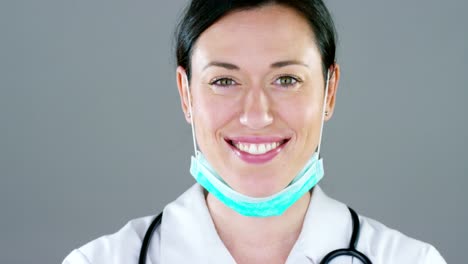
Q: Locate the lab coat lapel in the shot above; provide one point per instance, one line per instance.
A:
(188, 234)
(327, 227)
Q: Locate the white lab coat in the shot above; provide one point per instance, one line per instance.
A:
(187, 235)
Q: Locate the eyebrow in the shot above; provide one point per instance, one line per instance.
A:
(231, 66)
(280, 64)
(226, 65)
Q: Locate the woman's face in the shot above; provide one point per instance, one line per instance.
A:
(257, 92)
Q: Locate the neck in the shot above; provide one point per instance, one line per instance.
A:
(270, 233)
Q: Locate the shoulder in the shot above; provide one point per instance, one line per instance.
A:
(121, 247)
(124, 246)
(329, 219)
(387, 245)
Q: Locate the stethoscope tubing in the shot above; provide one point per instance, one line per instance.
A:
(147, 239)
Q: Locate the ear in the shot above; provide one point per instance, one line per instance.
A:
(182, 86)
(332, 88)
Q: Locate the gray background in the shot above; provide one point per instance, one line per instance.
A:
(92, 134)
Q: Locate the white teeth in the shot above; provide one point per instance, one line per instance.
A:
(257, 149)
(253, 149)
(261, 148)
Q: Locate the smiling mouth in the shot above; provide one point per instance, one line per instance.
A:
(257, 148)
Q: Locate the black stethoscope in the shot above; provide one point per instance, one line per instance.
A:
(350, 251)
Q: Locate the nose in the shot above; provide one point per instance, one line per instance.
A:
(256, 113)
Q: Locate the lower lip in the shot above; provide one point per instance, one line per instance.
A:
(260, 158)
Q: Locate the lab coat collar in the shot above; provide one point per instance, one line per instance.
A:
(188, 233)
(327, 227)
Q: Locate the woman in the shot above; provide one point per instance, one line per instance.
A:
(257, 80)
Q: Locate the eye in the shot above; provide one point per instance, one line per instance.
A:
(223, 82)
(287, 81)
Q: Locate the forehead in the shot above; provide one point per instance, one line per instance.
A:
(258, 37)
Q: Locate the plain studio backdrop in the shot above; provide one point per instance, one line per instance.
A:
(92, 134)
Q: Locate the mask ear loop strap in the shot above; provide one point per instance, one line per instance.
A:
(191, 115)
(323, 113)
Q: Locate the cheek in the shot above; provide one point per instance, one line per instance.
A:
(301, 114)
(212, 113)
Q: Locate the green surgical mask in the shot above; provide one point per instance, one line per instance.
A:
(273, 205)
